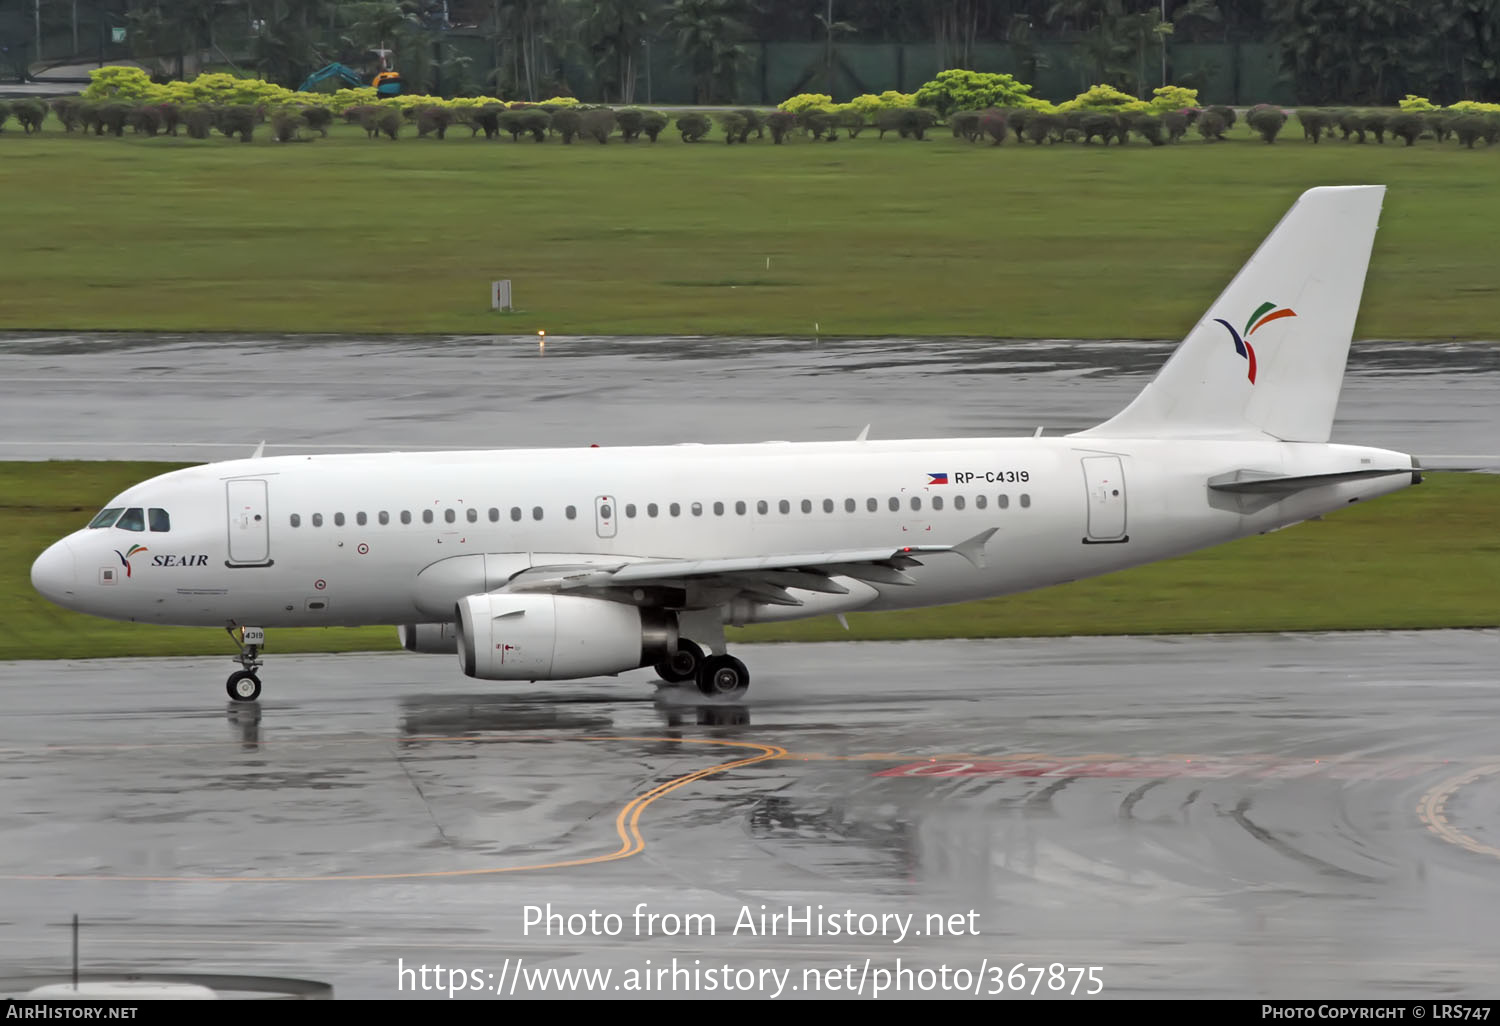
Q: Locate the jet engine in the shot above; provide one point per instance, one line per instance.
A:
(558, 637)
(432, 638)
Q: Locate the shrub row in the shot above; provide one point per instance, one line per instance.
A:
(304, 121)
(218, 89)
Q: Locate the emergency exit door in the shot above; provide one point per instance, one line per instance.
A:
(1104, 478)
(249, 524)
(604, 515)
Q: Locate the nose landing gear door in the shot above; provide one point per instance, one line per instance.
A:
(249, 523)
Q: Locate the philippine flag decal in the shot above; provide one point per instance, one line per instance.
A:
(936, 479)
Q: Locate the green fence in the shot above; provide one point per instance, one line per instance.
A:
(1235, 73)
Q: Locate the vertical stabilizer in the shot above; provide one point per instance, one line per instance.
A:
(1268, 357)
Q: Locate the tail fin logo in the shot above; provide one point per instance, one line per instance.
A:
(1263, 315)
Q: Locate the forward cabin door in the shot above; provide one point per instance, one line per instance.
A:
(1104, 478)
(249, 524)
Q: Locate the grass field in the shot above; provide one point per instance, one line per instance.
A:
(865, 237)
(1425, 557)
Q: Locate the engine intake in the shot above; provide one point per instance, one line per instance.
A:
(558, 637)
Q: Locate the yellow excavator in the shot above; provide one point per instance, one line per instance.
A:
(387, 82)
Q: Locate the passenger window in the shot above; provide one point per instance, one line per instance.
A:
(650, 509)
(849, 506)
(762, 507)
(980, 502)
(133, 520)
(784, 506)
(338, 520)
(296, 520)
(718, 509)
(739, 508)
(697, 509)
(106, 518)
(958, 502)
(536, 512)
(361, 519)
(515, 513)
(427, 516)
(629, 511)
(317, 520)
(937, 502)
(406, 516)
(916, 503)
(606, 512)
(872, 504)
(384, 518)
(1003, 502)
(807, 505)
(675, 510)
(160, 522)
(1025, 501)
(571, 512)
(471, 515)
(895, 504)
(449, 515)
(494, 515)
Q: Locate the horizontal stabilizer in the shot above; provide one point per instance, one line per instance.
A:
(1459, 463)
(1259, 482)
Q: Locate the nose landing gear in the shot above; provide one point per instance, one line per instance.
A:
(243, 685)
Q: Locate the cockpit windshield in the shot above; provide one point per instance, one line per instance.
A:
(133, 519)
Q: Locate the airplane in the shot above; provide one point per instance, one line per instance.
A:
(559, 564)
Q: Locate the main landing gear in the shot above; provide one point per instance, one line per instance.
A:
(244, 685)
(717, 676)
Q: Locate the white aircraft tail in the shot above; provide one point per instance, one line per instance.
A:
(1268, 357)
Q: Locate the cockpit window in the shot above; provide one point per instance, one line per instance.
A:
(134, 519)
(107, 518)
(159, 519)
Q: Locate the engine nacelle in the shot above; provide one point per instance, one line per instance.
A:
(432, 638)
(558, 637)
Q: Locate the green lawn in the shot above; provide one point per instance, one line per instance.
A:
(865, 236)
(1425, 557)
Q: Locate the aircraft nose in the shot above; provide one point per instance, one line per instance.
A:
(55, 573)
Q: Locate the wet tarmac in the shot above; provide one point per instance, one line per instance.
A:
(1291, 815)
(203, 397)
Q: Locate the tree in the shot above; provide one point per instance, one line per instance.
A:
(613, 32)
(1375, 51)
(708, 34)
(289, 39)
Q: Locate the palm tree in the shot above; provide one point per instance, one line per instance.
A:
(708, 44)
(614, 30)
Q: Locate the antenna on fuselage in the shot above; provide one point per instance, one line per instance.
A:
(260, 450)
(864, 434)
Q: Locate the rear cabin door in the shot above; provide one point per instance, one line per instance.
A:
(1104, 478)
(249, 524)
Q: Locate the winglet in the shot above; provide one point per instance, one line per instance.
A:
(260, 450)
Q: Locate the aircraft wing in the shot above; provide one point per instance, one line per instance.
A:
(761, 578)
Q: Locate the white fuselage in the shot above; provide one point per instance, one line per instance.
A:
(381, 539)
